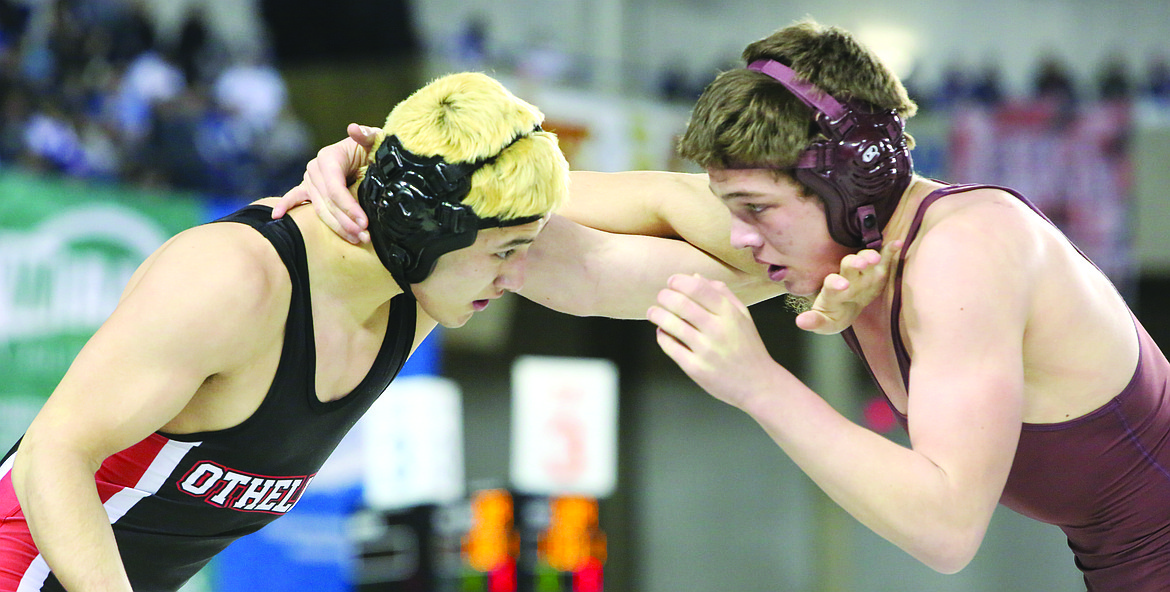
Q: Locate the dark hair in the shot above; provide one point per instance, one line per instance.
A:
(744, 119)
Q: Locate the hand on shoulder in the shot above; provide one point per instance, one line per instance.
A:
(326, 184)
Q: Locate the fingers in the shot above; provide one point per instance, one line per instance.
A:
(326, 184)
(853, 266)
(336, 206)
(890, 251)
(326, 214)
(347, 209)
(713, 296)
(364, 135)
(868, 258)
(674, 349)
(670, 325)
(327, 180)
(836, 283)
(865, 270)
(696, 313)
(815, 321)
(295, 196)
(324, 189)
(677, 314)
(675, 332)
(845, 295)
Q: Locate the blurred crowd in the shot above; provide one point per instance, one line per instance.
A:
(94, 89)
(1052, 79)
(89, 88)
(1115, 79)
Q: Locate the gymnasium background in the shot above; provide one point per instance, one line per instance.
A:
(125, 121)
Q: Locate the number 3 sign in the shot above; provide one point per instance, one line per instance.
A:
(564, 426)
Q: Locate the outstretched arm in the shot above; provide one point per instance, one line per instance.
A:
(583, 271)
(639, 203)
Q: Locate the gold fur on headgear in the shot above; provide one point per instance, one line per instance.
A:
(470, 116)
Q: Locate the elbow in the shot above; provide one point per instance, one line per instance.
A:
(37, 457)
(946, 535)
(948, 563)
(573, 307)
(950, 553)
(24, 468)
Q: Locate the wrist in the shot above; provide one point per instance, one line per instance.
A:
(763, 396)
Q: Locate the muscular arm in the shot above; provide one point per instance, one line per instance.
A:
(136, 374)
(636, 204)
(655, 203)
(965, 321)
(650, 203)
(587, 272)
(641, 204)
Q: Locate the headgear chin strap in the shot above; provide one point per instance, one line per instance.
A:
(416, 211)
(860, 170)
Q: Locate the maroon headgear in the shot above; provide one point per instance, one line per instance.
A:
(862, 167)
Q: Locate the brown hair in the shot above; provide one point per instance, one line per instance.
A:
(746, 119)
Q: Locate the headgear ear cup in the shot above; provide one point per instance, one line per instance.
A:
(416, 212)
(860, 170)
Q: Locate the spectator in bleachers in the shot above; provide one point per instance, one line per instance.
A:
(1158, 79)
(87, 88)
(1054, 82)
(1113, 80)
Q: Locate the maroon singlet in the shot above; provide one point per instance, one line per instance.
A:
(1103, 478)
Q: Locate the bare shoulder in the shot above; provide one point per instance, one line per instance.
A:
(983, 223)
(976, 247)
(216, 283)
(977, 207)
(214, 255)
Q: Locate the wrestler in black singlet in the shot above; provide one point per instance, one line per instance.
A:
(176, 500)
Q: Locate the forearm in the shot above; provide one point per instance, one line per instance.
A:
(566, 273)
(659, 204)
(628, 202)
(69, 525)
(585, 272)
(897, 492)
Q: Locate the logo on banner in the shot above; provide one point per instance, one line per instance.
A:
(62, 273)
(68, 273)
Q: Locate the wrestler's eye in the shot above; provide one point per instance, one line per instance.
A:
(754, 209)
(505, 255)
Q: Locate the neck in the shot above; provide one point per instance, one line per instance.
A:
(348, 276)
(899, 224)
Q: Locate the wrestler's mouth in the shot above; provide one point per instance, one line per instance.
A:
(777, 273)
(479, 305)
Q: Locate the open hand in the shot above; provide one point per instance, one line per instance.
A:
(842, 298)
(709, 333)
(326, 184)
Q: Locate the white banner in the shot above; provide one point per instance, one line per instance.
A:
(564, 426)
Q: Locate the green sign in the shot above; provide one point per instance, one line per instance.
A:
(67, 249)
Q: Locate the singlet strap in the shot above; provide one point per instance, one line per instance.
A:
(899, 345)
(896, 306)
(295, 371)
